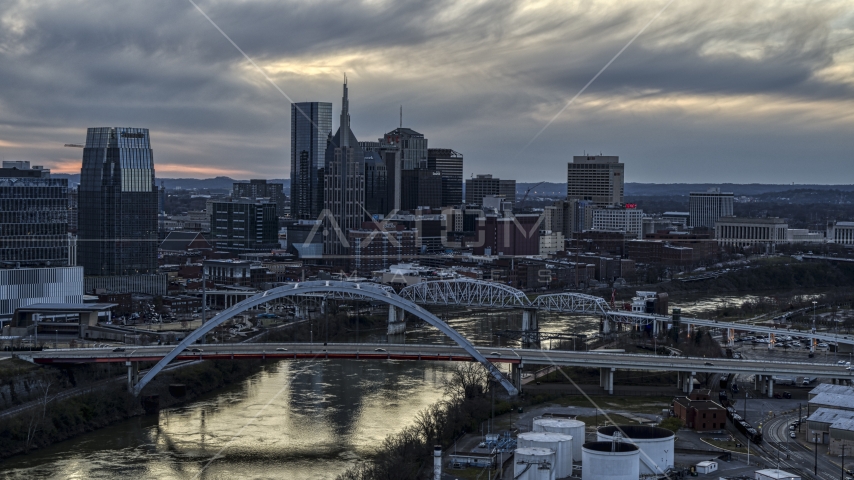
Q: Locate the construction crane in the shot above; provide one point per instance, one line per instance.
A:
(75, 145)
(527, 192)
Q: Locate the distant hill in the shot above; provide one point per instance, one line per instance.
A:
(549, 189)
(217, 183)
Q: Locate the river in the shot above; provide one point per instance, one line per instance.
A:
(293, 420)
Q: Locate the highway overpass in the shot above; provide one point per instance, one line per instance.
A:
(688, 367)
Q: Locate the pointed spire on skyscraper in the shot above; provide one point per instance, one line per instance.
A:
(344, 127)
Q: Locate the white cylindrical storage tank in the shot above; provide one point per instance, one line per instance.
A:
(566, 426)
(656, 445)
(560, 443)
(610, 461)
(534, 463)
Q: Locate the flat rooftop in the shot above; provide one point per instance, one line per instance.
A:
(66, 307)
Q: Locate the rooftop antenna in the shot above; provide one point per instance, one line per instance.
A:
(401, 116)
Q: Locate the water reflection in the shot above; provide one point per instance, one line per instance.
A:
(295, 420)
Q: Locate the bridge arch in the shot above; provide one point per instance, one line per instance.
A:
(356, 289)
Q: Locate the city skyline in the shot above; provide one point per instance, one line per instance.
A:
(704, 94)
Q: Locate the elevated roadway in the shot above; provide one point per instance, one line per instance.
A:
(606, 362)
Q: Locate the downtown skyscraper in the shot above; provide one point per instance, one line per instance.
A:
(311, 124)
(344, 192)
(117, 220)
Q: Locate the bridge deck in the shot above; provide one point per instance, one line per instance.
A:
(446, 353)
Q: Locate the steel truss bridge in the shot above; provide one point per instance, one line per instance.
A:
(458, 292)
(483, 294)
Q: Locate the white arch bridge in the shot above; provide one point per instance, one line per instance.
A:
(457, 292)
(345, 290)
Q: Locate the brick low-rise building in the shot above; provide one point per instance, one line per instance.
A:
(372, 250)
(182, 304)
(700, 415)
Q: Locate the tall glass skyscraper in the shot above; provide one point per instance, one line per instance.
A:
(117, 218)
(311, 124)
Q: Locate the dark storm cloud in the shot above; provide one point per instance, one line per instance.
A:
(480, 77)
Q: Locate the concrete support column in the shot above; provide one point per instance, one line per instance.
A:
(678, 379)
(530, 328)
(396, 322)
(130, 376)
(756, 379)
(691, 382)
(516, 375)
(770, 387)
(611, 381)
(655, 328)
(530, 321)
(606, 325)
(764, 384)
(133, 375)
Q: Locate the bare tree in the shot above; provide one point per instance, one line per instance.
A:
(465, 380)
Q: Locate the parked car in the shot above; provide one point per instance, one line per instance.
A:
(119, 349)
(793, 435)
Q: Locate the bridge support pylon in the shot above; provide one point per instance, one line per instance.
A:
(516, 375)
(606, 379)
(396, 322)
(770, 387)
(611, 380)
(686, 382)
(530, 327)
(133, 375)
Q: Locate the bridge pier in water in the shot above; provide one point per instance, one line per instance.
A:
(530, 328)
(396, 321)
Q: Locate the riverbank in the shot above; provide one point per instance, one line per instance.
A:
(774, 274)
(53, 421)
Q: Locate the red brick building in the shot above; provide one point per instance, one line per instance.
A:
(700, 415)
(517, 235)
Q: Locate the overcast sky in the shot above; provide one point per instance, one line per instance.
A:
(727, 91)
